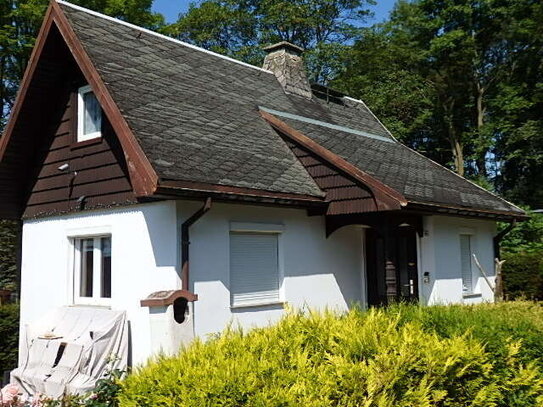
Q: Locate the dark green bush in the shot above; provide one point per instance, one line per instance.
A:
(523, 275)
(9, 247)
(403, 356)
(9, 336)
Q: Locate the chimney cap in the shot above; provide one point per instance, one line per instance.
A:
(283, 45)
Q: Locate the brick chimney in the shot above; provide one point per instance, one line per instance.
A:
(285, 61)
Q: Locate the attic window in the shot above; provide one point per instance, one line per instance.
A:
(89, 115)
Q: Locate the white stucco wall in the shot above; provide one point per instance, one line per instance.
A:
(144, 259)
(318, 272)
(440, 256)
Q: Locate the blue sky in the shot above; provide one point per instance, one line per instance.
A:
(172, 8)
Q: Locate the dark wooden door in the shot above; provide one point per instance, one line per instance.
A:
(398, 247)
(375, 268)
(406, 264)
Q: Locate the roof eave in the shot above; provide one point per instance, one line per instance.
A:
(226, 193)
(444, 209)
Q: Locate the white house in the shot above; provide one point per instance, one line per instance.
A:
(125, 145)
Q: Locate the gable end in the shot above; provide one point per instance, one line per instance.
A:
(39, 137)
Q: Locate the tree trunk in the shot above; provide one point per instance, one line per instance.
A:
(480, 115)
(454, 139)
(458, 150)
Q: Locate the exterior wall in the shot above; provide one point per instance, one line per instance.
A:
(440, 256)
(144, 259)
(318, 272)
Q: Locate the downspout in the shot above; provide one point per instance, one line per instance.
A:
(185, 242)
(499, 237)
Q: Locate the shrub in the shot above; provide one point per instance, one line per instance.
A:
(404, 356)
(523, 275)
(9, 246)
(493, 325)
(9, 336)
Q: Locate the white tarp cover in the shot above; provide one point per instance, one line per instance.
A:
(69, 349)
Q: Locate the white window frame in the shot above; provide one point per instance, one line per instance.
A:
(474, 280)
(82, 91)
(96, 299)
(261, 228)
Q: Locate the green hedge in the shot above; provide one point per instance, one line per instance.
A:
(9, 336)
(403, 356)
(523, 275)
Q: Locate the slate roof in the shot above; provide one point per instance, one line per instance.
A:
(419, 179)
(196, 117)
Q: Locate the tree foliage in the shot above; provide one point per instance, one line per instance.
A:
(9, 244)
(522, 250)
(9, 336)
(240, 28)
(461, 81)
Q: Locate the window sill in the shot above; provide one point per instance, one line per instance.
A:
(472, 295)
(259, 305)
(85, 143)
(102, 306)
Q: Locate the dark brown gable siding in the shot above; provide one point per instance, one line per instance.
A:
(98, 175)
(97, 170)
(344, 194)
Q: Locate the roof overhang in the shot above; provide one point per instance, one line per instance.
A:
(187, 189)
(450, 210)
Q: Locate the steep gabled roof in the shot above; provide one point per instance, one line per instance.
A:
(196, 113)
(190, 120)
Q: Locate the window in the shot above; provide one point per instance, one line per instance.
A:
(465, 261)
(89, 115)
(254, 268)
(92, 269)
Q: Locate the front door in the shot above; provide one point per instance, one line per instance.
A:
(397, 249)
(406, 265)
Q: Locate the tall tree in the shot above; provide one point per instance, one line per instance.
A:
(240, 28)
(461, 55)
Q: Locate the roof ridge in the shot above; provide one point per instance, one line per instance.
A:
(165, 37)
(322, 123)
(360, 101)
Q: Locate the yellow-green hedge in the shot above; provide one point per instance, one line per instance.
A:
(378, 358)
